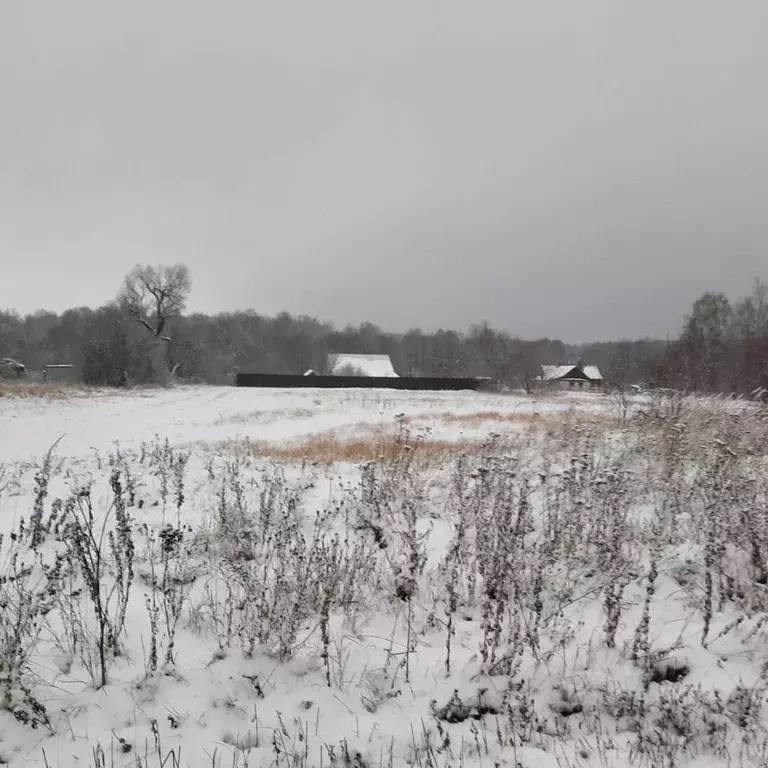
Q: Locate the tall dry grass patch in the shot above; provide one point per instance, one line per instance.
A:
(363, 444)
(478, 417)
(546, 420)
(267, 417)
(43, 391)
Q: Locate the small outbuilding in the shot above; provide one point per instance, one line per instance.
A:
(60, 374)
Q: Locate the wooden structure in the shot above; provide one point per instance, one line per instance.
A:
(416, 383)
(60, 374)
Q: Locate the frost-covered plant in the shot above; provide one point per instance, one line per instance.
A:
(100, 554)
(29, 585)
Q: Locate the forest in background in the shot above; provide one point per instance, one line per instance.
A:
(144, 337)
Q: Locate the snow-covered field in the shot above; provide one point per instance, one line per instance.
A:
(232, 577)
(99, 420)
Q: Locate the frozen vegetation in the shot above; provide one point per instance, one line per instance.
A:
(217, 577)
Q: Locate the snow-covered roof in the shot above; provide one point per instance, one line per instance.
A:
(378, 366)
(9, 362)
(556, 372)
(592, 372)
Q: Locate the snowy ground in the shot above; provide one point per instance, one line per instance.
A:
(100, 420)
(498, 580)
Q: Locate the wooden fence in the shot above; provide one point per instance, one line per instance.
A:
(288, 381)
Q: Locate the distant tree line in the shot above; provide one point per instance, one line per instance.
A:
(110, 348)
(143, 337)
(723, 346)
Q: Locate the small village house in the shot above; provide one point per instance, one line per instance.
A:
(570, 377)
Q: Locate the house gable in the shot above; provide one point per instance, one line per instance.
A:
(562, 372)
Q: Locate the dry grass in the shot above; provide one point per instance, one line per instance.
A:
(267, 417)
(44, 391)
(479, 417)
(365, 444)
(546, 420)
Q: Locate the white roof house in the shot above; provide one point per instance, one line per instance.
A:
(556, 372)
(573, 376)
(377, 366)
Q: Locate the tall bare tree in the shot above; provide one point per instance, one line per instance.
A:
(153, 296)
(705, 337)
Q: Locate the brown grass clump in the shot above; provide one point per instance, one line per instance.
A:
(547, 420)
(364, 445)
(477, 417)
(43, 391)
(266, 417)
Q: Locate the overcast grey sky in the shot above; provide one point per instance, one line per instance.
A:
(573, 169)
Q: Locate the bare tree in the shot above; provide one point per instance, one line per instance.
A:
(152, 296)
(706, 338)
(617, 383)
